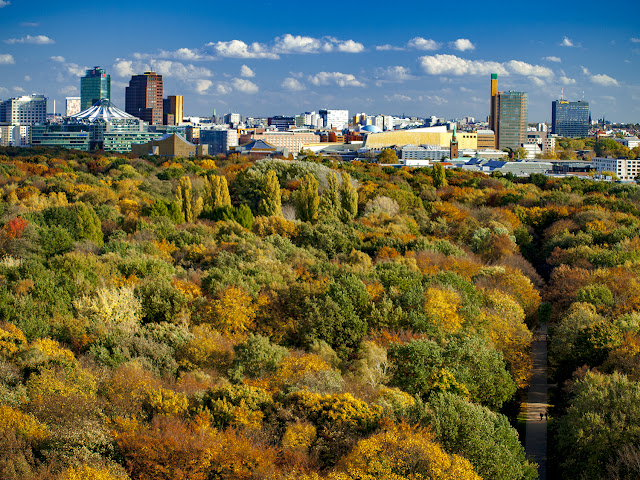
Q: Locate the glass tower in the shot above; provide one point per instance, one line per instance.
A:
(94, 86)
(512, 119)
(570, 119)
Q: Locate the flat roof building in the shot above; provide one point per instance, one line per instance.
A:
(143, 97)
(24, 110)
(570, 119)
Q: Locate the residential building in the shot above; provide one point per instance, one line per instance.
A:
(24, 110)
(570, 119)
(169, 145)
(232, 119)
(334, 119)
(143, 97)
(512, 110)
(624, 168)
(173, 110)
(219, 141)
(94, 86)
(15, 135)
(73, 106)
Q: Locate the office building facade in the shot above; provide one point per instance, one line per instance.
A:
(143, 97)
(512, 108)
(219, 141)
(94, 86)
(570, 119)
(173, 110)
(25, 110)
(334, 119)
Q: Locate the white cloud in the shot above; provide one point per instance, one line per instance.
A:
(186, 54)
(538, 82)
(604, 80)
(292, 84)
(350, 46)
(6, 59)
(36, 40)
(387, 47)
(19, 89)
(4, 3)
(462, 45)
(58, 58)
(27, 78)
(29, 24)
(523, 68)
(438, 100)
(397, 97)
(223, 89)
(453, 65)
(3, 91)
(75, 69)
(123, 68)
(635, 40)
(246, 72)
(585, 70)
(167, 68)
(566, 80)
(202, 86)
(288, 44)
(552, 59)
(335, 78)
(239, 49)
(567, 42)
(245, 86)
(423, 44)
(68, 90)
(395, 73)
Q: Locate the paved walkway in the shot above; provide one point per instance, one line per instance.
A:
(535, 443)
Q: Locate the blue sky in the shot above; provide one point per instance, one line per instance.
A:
(285, 57)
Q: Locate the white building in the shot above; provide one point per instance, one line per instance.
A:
(409, 153)
(532, 149)
(629, 142)
(24, 110)
(336, 119)
(232, 119)
(624, 168)
(73, 106)
(388, 122)
(15, 135)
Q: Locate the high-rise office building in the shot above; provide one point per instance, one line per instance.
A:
(493, 112)
(173, 106)
(73, 106)
(25, 110)
(94, 86)
(512, 119)
(143, 97)
(570, 119)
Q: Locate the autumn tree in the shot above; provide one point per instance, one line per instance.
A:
(348, 199)
(184, 197)
(330, 201)
(307, 199)
(439, 176)
(270, 201)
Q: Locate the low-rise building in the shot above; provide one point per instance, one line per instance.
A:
(170, 145)
(219, 140)
(624, 168)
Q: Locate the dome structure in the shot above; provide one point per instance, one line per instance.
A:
(101, 111)
(371, 129)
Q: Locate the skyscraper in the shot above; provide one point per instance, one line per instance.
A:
(512, 119)
(493, 112)
(94, 86)
(143, 97)
(570, 119)
(173, 106)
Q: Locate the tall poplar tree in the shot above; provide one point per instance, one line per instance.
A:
(271, 201)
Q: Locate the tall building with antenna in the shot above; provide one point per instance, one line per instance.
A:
(570, 119)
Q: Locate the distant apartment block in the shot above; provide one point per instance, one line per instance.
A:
(15, 135)
(219, 141)
(282, 123)
(25, 110)
(624, 168)
(334, 119)
(73, 106)
(232, 119)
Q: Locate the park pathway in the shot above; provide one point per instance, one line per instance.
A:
(537, 402)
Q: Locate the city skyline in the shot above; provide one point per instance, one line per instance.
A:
(419, 60)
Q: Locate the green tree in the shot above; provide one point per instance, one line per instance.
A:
(307, 199)
(271, 202)
(184, 197)
(330, 201)
(348, 199)
(388, 155)
(439, 176)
